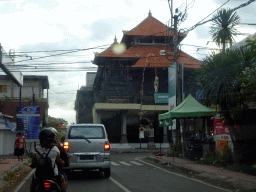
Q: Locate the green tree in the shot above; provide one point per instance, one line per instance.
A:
(220, 78)
(55, 122)
(223, 30)
(248, 78)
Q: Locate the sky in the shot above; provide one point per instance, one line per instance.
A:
(58, 38)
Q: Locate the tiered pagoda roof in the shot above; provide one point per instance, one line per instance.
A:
(148, 55)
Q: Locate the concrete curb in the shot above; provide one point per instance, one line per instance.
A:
(220, 180)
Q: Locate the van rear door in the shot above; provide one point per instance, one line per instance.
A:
(86, 138)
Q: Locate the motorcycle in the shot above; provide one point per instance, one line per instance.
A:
(195, 148)
(48, 185)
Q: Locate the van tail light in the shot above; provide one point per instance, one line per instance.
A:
(66, 146)
(106, 146)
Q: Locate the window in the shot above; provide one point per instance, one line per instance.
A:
(3, 88)
(86, 132)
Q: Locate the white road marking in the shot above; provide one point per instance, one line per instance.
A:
(124, 163)
(24, 181)
(138, 158)
(120, 185)
(136, 163)
(115, 164)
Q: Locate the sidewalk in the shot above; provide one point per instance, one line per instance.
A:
(8, 163)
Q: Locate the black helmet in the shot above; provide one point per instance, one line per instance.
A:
(46, 137)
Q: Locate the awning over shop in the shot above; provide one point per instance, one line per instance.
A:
(190, 107)
(6, 120)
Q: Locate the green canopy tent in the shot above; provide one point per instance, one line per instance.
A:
(189, 108)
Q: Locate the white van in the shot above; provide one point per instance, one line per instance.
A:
(88, 147)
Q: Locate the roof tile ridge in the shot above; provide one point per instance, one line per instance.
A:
(147, 18)
(190, 56)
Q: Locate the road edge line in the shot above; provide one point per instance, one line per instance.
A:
(119, 185)
(24, 181)
(138, 158)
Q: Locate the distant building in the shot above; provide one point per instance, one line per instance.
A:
(61, 127)
(84, 100)
(32, 94)
(126, 82)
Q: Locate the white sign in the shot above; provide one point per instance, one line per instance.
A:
(141, 135)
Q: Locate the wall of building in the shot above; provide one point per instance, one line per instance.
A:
(90, 76)
(7, 138)
(29, 87)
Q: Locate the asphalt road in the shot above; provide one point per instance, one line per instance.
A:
(130, 172)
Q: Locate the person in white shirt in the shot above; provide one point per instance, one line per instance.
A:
(47, 142)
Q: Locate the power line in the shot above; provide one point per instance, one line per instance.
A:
(59, 50)
(199, 23)
(77, 50)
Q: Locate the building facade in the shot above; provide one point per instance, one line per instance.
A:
(32, 94)
(126, 82)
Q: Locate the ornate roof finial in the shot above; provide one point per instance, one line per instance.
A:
(115, 40)
(149, 13)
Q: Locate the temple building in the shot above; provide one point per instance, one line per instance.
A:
(130, 73)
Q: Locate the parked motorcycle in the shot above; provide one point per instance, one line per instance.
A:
(195, 148)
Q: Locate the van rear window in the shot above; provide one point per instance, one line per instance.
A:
(88, 132)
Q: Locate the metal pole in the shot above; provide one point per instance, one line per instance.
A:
(0, 54)
(175, 58)
(20, 99)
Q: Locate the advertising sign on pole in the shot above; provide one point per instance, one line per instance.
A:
(29, 121)
(161, 97)
(219, 128)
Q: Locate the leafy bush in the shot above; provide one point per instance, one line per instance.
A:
(177, 147)
(9, 176)
(217, 159)
(60, 134)
(29, 160)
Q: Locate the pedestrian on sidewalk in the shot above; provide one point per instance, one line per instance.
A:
(19, 146)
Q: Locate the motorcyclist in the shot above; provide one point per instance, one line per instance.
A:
(63, 155)
(47, 142)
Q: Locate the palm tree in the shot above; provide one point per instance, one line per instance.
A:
(223, 30)
(221, 78)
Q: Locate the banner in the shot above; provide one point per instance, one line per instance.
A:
(10, 125)
(28, 120)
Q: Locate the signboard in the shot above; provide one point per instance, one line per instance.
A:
(219, 128)
(119, 99)
(29, 121)
(161, 97)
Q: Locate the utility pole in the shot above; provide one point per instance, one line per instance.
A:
(178, 83)
(175, 59)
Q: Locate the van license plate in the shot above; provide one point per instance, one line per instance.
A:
(86, 157)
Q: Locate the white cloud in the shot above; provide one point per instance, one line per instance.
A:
(61, 113)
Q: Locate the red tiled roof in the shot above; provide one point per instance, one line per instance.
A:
(150, 26)
(61, 126)
(109, 53)
(149, 55)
